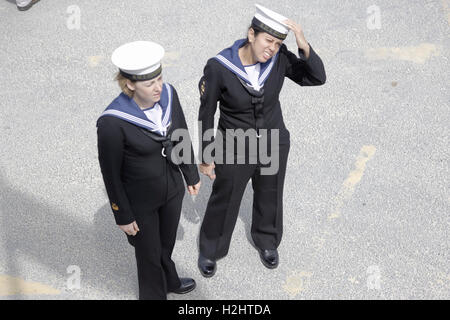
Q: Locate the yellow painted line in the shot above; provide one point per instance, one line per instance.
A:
(418, 54)
(296, 283)
(170, 58)
(94, 61)
(443, 279)
(446, 6)
(12, 285)
(353, 280)
(348, 187)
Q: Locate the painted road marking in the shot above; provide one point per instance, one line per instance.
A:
(170, 58)
(94, 61)
(419, 54)
(12, 285)
(446, 6)
(348, 187)
(353, 280)
(295, 283)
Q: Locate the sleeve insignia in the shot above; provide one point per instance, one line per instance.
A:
(202, 88)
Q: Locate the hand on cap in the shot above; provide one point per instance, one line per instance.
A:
(299, 36)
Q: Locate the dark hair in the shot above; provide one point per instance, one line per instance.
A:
(256, 31)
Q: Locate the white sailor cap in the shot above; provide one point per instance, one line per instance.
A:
(271, 22)
(139, 60)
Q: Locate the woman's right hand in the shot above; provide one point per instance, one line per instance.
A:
(193, 190)
(207, 169)
(130, 229)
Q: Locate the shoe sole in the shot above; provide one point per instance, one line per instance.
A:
(268, 266)
(32, 3)
(184, 292)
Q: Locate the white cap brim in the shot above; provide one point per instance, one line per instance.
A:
(138, 57)
(272, 19)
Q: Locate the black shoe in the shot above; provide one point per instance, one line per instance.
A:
(269, 258)
(28, 6)
(187, 285)
(207, 266)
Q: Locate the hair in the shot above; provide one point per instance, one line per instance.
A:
(122, 81)
(256, 31)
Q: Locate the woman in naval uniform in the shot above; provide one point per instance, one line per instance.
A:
(143, 182)
(246, 79)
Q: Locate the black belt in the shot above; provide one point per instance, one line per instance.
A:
(258, 104)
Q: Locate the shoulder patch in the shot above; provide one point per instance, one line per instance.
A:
(202, 86)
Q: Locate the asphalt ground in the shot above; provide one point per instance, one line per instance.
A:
(367, 197)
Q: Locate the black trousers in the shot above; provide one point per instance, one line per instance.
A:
(223, 206)
(154, 245)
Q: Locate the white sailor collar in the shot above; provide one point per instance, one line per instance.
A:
(229, 58)
(125, 108)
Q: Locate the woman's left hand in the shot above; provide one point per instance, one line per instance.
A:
(193, 190)
(299, 36)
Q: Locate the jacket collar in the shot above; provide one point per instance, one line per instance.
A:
(125, 108)
(229, 58)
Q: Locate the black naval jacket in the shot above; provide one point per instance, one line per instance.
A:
(236, 110)
(135, 173)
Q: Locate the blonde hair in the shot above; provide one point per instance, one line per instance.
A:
(122, 81)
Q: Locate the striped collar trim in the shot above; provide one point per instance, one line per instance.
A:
(226, 56)
(142, 120)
